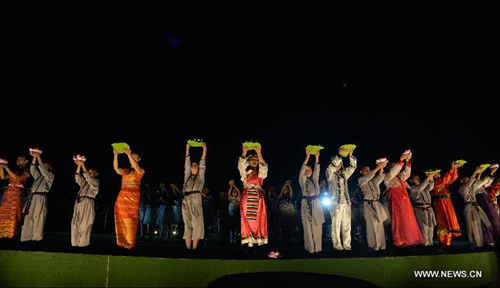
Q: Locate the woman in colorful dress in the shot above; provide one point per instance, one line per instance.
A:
(405, 230)
(253, 171)
(10, 209)
(127, 203)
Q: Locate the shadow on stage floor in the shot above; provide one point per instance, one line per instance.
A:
(105, 244)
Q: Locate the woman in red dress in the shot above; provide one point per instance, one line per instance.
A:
(11, 208)
(405, 230)
(253, 171)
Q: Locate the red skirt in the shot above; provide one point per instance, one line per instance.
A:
(11, 212)
(405, 230)
(446, 217)
(253, 218)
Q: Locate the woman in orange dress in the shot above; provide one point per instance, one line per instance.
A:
(11, 208)
(447, 222)
(127, 203)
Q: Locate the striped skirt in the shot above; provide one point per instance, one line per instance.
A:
(253, 218)
(10, 212)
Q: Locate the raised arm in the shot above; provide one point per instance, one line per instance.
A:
(134, 163)
(118, 170)
(3, 176)
(283, 190)
(93, 182)
(204, 155)
(46, 173)
(363, 180)
(291, 190)
(407, 171)
(242, 166)
(263, 167)
(13, 175)
(381, 175)
(176, 190)
(78, 178)
(353, 164)
(430, 186)
(302, 172)
(302, 176)
(316, 171)
(34, 170)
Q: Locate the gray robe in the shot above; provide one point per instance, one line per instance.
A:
(341, 208)
(84, 210)
(424, 213)
(373, 211)
(192, 210)
(473, 213)
(35, 210)
(311, 210)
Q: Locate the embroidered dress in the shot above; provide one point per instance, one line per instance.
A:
(252, 206)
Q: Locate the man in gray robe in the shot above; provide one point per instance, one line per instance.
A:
(35, 210)
(311, 209)
(424, 213)
(473, 213)
(84, 211)
(192, 211)
(373, 211)
(341, 203)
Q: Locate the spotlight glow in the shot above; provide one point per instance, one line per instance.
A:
(326, 202)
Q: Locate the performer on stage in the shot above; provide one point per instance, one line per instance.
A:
(405, 230)
(207, 203)
(285, 216)
(127, 203)
(447, 223)
(341, 203)
(474, 214)
(234, 197)
(35, 210)
(253, 171)
(11, 209)
(192, 212)
(311, 209)
(420, 193)
(84, 211)
(491, 235)
(494, 191)
(373, 211)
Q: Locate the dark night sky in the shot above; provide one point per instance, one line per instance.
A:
(77, 78)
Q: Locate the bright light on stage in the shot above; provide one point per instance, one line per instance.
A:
(326, 201)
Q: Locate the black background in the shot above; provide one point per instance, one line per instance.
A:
(385, 76)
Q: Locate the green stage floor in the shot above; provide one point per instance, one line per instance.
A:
(157, 264)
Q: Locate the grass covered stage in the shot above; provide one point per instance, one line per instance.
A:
(42, 269)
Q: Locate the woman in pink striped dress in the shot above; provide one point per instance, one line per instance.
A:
(253, 171)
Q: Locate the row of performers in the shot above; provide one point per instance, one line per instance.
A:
(411, 224)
